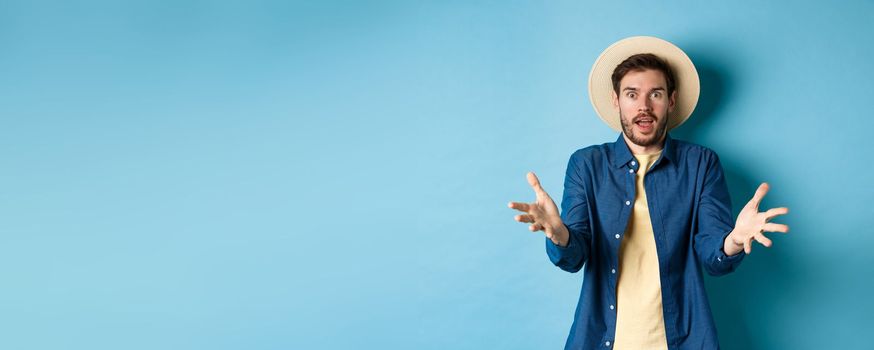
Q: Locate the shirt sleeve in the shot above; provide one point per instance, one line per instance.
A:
(575, 216)
(714, 222)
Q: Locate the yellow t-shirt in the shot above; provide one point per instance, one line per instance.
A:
(640, 322)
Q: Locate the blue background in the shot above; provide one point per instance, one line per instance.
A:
(327, 175)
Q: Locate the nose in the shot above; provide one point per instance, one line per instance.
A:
(645, 105)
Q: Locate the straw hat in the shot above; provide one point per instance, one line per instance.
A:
(601, 85)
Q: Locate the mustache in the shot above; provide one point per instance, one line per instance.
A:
(644, 115)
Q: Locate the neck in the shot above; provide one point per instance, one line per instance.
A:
(638, 149)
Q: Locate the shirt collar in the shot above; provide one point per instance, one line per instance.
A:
(622, 155)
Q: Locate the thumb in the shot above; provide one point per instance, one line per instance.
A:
(534, 182)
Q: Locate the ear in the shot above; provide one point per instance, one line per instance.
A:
(673, 101)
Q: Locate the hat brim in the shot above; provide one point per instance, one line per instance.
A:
(601, 84)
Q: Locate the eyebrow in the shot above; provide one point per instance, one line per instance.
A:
(635, 89)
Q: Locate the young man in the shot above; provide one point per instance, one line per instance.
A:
(644, 214)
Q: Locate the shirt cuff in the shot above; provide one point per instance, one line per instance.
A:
(559, 250)
(722, 257)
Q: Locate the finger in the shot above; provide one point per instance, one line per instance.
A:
(775, 212)
(534, 182)
(771, 227)
(535, 227)
(524, 218)
(519, 206)
(763, 240)
(760, 193)
(748, 246)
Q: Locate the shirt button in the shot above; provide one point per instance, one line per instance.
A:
(631, 171)
(617, 236)
(633, 163)
(627, 202)
(611, 307)
(613, 270)
(607, 343)
(719, 258)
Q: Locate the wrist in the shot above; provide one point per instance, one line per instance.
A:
(559, 234)
(731, 246)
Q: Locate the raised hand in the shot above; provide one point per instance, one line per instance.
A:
(543, 214)
(752, 224)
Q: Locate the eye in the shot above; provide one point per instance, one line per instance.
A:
(631, 95)
(656, 94)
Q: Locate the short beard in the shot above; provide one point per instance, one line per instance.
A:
(661, 129)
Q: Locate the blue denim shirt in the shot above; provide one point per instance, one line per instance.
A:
(690, 209)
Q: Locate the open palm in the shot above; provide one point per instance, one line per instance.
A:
(752, 224)
(542, 214)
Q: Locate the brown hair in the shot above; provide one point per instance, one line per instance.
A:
(640, 62)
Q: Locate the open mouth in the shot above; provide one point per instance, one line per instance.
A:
(645, 123)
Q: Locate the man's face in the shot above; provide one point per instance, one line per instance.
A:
(644, 105)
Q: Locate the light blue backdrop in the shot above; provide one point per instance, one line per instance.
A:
(332, 175)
